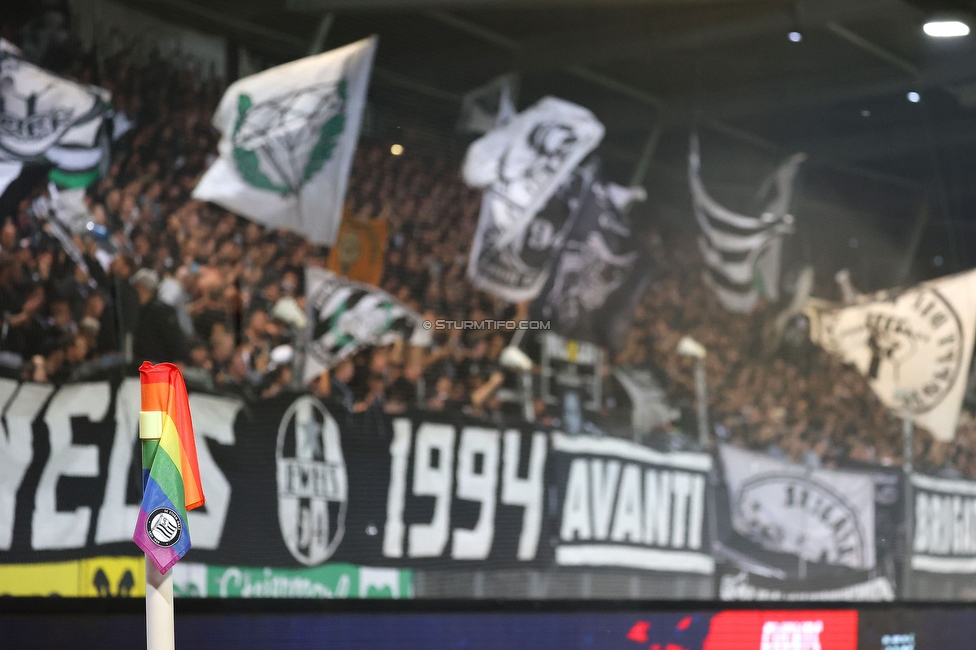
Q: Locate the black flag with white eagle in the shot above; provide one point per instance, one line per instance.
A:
(600, 271)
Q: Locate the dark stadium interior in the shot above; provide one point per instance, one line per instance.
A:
(884, 201)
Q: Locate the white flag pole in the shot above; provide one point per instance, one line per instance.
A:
(160, 634)
(160, 628)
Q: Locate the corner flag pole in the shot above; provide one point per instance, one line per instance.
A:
(160, 634)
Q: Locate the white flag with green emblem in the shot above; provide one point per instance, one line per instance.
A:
(288, 138)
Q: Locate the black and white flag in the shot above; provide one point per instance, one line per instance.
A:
(45, 118)
(522, 166)
(648, 399)
(346, 316)
(914, 346)
(821, 516)
(489, 106)
(743, 253)
(599, 272)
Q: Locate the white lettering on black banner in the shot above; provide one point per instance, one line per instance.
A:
(485, 459)
(945, 525)
(627, 505)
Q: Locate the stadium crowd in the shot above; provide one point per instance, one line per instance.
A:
(171, 278)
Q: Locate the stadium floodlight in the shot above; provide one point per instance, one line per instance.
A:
(796, 36)
(946, 28)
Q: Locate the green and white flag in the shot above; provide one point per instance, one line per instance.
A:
(45, 118)
(288, 138)
(345, 317)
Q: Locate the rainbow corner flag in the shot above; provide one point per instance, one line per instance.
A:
(170, 474)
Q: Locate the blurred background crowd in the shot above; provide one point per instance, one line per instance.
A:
(177, 279)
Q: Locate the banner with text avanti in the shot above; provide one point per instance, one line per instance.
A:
(294, 484)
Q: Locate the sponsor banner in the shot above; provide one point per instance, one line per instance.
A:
(743, 586)
(747, 630)
(944, 539)
(293, 483)
(336, 580)
(914, 346)
(819, 516)
(626, 505)
(95, 577)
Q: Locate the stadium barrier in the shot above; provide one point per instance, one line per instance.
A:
(308, 500)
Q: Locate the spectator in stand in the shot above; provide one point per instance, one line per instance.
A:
(157, 335)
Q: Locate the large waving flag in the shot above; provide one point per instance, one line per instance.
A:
(743, 253)
(288, 138)
(170, 474)
(346, 316)
(47, 118)
(914, 345)
(522, 165)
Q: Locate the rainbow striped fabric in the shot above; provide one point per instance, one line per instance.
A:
(170, 474)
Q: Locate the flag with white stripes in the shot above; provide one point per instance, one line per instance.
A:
(743, 253)
(345, 317)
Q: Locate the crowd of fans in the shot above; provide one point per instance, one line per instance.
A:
(795, 400)
(171, 278)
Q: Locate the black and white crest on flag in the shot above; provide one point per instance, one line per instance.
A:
(346, 316)
(516, 269)
(38, 109)
(742, 253)
(45, 119)
(822, 516)
(313, 486)
(600, 271)
(523, 166)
